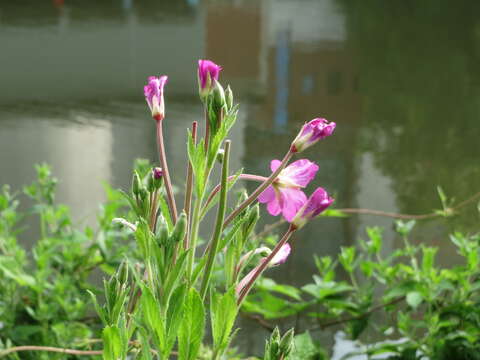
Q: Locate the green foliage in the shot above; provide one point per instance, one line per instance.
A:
(191, 329)
(43, 296)
(223, 312)
(433, 309)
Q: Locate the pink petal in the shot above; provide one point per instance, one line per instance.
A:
(273, 207)
(245, 280)
(274, 164)
(267, 195)
(282, 255)
(300, 172)
(291, 201)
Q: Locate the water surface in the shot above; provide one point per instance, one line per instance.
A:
(401, 81)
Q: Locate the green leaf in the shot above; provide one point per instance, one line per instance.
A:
(414, 299)
(324, 289)
(175, 313)
(113, 348)
(153, 318)
(270, 285)
(13, 270)
(223, 312)
(191, 330)
(305, 349)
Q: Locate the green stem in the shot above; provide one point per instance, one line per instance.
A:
(259, 189)
(196, 217)
(222, 205)
(163, 163)
(193, 237)
(263, 265)
(189, 190)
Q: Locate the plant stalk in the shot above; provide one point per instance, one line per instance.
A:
(222, 205)
(189, 190)
(259, 189)
(163, 163)
(217, 188)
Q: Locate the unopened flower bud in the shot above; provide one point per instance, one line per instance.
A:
(180, 228)
(162, 236)
(312, 132)
(318, 202)
(229, 97)
(154, 95)
(286, 344)
(249, 225)
(208, 72)
(157, 177)
(136, 185)
(122, 272)
(218, 95)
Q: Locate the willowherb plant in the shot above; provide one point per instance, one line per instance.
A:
(160, 308)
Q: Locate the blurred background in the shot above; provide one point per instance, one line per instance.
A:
(400, 79)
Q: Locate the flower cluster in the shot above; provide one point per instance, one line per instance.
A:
(282, 192)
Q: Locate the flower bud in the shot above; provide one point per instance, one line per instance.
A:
(208, 72)
(154, 95)
(122, 272)
(180, 228)
(316, 204)
(157, 177)
(249, 225)
(162, 236)
(312, 132)
(150, 182)
(286, 344)
(136, 184)
(229, 97)
(218, 95)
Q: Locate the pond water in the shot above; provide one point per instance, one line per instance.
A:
(401, 80)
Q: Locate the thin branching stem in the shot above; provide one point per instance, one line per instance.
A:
(166, 174)
(216, 189)
(259, 189)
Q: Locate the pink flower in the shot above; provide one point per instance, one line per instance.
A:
(278, 258)
(208, 73)
(316, 204)
(312, 132)
(154, 96)
(284, 195)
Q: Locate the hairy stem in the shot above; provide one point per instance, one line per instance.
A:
(218, 223)
(163, 163)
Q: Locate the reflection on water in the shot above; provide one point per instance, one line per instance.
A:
(401, 80)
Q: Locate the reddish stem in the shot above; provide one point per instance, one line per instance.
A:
(166, 174)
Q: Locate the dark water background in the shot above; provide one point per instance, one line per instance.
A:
(400, 79)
